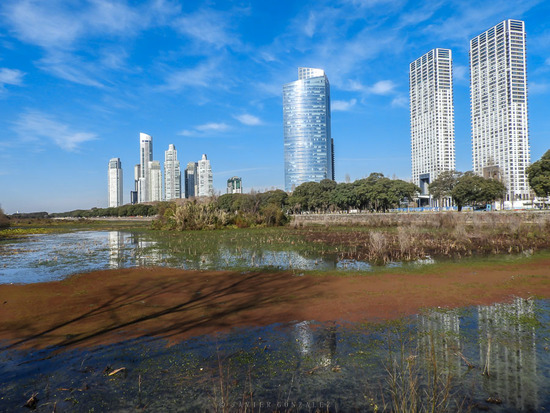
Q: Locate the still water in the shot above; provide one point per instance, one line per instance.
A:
(42, 258)
(487, 358)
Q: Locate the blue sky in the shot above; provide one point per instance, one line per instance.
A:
(80, 79)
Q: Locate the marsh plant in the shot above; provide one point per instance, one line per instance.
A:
(383, 238)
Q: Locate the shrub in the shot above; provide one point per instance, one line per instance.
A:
(4, 220)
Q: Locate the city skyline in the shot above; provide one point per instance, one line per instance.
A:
(78, 84)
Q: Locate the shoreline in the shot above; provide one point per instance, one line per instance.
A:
(109, 306)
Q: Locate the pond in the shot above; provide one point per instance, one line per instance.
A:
(485, 358)
(42, 258)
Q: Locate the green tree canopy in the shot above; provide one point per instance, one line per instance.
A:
(538, 175)
(474, 190)
(443, 185)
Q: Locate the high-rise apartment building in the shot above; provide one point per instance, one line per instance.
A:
(115, 182)
(235, 185)
(498, 101)
(145, 156)
(205, 186)
(432, 118)
(155, 182)
(190, 180)
(172, 174)
(307, 129)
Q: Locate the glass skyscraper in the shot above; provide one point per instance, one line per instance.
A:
(307, 132)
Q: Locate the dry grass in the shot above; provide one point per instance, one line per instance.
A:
(404, 237)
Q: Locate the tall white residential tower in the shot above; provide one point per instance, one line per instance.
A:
(204, 183)
(498, 101)
(432, 118)
(155, 181)
(172, 174)
(115, 182)
(145, 156)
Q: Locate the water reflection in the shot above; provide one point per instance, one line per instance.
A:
(507, 352)
(49, 257)
(305, 362)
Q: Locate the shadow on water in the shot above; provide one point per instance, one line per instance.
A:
(486, 358)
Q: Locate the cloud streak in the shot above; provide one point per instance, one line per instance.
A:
(249, 120)
(34, 126)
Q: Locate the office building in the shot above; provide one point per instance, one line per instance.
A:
(204, 183)
(115, 182)
(307, 130)
(155, 182)
(134, 195)
(498, 101)
(234, 185)
(190, 181)
(145, 156)
(432, 119)
(172, 174)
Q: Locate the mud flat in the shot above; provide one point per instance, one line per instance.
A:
(114, 305)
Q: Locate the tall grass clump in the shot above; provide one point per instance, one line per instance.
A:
(195, 215)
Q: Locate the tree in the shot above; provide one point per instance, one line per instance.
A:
(443, 185)
(474, 190)
(4, 220)
(538, 175)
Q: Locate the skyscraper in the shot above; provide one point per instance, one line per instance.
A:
(432, 118)
(190, 179)
(204, 178)
(307, 130)
(235, 185)
(155, 182)
(498, 101)
(145, 156)
(115, 182)
(172, 174)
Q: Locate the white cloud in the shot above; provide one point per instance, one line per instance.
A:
(201, 75)
(247, 119)
(343, 105)
(383, 87)
(71, 68)
(537, 87)
(33, 126)
(204, 129)
(11, 77)
(212, 126)
(208, 26)
(400, 102)
(460, 73)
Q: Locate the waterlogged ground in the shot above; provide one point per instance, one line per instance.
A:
(47, 257)
(485, 358)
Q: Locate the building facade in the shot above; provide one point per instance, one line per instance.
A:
(432, 119)
(155, 182)
(307, 129)
(145, 156)
(190, 179)
(204, 180)
(172, 174)
(498, 101)
(115, 183)
(235, 185)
